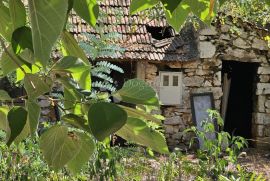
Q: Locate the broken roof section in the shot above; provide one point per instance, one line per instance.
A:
(143, 38)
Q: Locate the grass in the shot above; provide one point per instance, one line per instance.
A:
(25, 162)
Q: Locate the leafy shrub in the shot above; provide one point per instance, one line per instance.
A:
(218, 158)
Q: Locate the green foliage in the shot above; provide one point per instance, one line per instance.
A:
(9, 61)
(77, 122)
(254, 11)
(102, 71)
(136, 91)
(137, 131)
(105, 119)
(70, 47)
(4, 96)
(242, 175)
(212, 162)
(47, 19)
(103, 165)
(32, 116)
(16, 117)
(6, 27)
(177, 11)
(140, 114)
(22, 39)
(24, 162)
(87, 149)
(170, 170)
(27, 48)
(71, 65)
(102, 47)
(140, 5)
(17, 13)
(3, 117)
(59, 146)
(174, 19)
(36, 86)
(87, 9)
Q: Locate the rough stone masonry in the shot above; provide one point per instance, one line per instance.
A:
(232, 40)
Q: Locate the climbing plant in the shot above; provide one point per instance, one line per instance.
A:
(29, 31)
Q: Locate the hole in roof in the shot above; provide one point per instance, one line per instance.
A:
(160, 33)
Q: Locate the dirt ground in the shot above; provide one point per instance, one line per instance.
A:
(256, 160)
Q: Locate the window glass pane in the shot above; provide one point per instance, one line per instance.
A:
(175, 80)
(165, 80)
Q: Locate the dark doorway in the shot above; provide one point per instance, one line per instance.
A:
(240, 96)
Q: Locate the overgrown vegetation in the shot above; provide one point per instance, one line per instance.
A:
(253, 11)
(217, 160)
(28, 33)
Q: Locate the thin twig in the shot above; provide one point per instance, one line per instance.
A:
(11, 57)
(51, 68)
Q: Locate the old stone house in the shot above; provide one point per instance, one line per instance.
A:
(229, 59)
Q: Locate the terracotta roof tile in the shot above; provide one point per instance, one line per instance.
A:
(139, 43)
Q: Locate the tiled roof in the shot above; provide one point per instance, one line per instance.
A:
(139, 43)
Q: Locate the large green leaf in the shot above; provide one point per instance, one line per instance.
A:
(177, 11)
(28, 56)
(135, 113)
(4, 96)
(87, 149)
(17, 13)
(3, 118)
(171, 5)
(47, 19)
(22, 39)
(28, 69)
(24, 134)
(59, 146)
(178, 17)
(6, 27)
(36, 86)
(201, 8)
(76, 121)
(137, 131)
(71, 64)
(136, 91)
(83, 79)
(71, 47)
(31, 124)
(105, 119)
(140, 5)
(87, 10)
(17, 117)
(7, 63)
(33, 115)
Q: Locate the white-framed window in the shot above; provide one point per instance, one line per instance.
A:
(170, 91)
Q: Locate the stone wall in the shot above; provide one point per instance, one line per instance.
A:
(198, 77)
(225, 42)
(243, 42)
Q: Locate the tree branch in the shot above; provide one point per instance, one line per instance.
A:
(10, 56)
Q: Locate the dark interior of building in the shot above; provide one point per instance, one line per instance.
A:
(238, 119)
